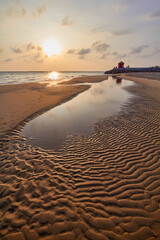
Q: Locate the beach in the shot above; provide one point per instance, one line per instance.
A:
(100, 187)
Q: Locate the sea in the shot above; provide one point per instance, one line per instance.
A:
(32, 76)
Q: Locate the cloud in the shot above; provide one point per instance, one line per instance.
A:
(121, 32)
(136, 50)
(40, 10)
(155, 52)
(29, 52)
(80, 52)
(8, 60)
(68, 21)
(71, 51)
(114, 54)
(26, 48)
(122, 55)
(118, 55)
(152, 17)
(37, 55)
(38, 58)
(30, 46)
(39, 48)
(121, 5)
(21, 12)
(104, 55)
(155, 15)
(111, 32)
(16, 50)
(100, 46)
(100, 29)
(33, 56)
(83, 52)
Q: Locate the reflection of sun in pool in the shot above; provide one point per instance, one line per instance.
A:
(51, 48)
(53, 75)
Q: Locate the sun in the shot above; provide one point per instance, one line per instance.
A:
(51, 48)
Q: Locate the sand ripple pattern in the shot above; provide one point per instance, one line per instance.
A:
(102, 187)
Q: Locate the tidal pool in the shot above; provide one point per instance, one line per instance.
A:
(77, 116)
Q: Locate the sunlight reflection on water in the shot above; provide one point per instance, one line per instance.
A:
(53, 76)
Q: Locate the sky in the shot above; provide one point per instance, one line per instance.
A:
(94, 35)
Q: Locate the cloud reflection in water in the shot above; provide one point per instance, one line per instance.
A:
(77, 116)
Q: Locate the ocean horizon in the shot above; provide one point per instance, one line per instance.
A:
(16, 77)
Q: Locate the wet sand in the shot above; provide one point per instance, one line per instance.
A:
(149, 81)
(100, 187)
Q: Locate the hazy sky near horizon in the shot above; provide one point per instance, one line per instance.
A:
(93, 34)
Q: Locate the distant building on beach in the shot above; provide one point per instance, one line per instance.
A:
(121, 64)
(122, 69)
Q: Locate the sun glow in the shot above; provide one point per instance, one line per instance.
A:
(53, 75)
(51, 48)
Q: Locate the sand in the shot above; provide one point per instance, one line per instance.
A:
(100, 187)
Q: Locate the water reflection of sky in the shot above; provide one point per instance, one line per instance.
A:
(77, 116)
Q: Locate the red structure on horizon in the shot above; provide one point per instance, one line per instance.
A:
(121, 64)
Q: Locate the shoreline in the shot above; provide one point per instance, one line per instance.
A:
(151, 85)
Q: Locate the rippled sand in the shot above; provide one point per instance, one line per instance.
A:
(102, 187)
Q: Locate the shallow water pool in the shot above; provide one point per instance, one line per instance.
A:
(77, 116)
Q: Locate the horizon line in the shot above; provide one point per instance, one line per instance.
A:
(51, 71)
